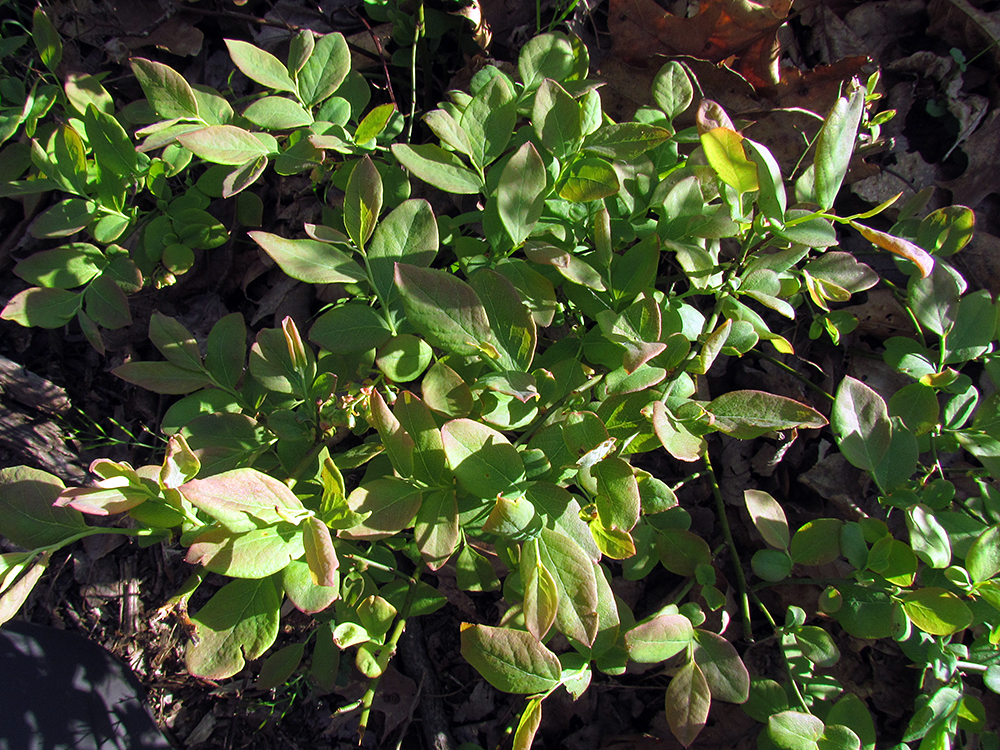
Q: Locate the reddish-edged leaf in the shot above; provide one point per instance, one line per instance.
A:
(688, 700)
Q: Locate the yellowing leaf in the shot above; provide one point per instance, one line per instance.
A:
(899, 246)
(724, 151)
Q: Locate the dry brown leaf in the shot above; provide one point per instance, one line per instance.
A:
(722, 29)
(980, 178)
(959, 23)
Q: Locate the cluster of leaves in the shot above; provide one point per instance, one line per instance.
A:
(486, 378)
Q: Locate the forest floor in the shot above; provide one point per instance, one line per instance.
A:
(939, 63)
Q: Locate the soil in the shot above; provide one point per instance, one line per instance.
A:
(61, 407)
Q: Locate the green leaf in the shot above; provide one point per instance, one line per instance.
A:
(511, 325)
(625, 141)
(893, 560)
(556, 118)
(374, 123)
(817, 542)
(574, 578)
(512, 661)
(223, 144)
(443, 308)
(350, 329)
(47, 40)
(107, 304)
(16, 594)
(300, 587)
(839, 738)
(259, 66)
(435, 529)
(792, 730)
(277, 113)
(521, 192)
(688, 700)
(64, 218)
(749, 414)
(835, 145)
(860, 421)
(112, 147)
(445, 392)
(438, 167)
(175, 342)
(227, 350)
(325, 70)
(278, 668)
(545, 56)
(971, 335)
(409, 234)
(169, 94)
(850, 711)
(404, 357)
(675, 437)
(587, 179)
(614, 543)
(934, 300)
(635, 271)
(253, 554)
(243, 499)
(768, 517)
(474, 572)
(658, 639)
(724, 151)
(28, 517)
(300, 49)
(446, 128)
(772, 198)
(816, 645)
(937, 611)
(416, 419)
(724, 671)
(199, 229)
(485, 463)
(865, 612)
(363, 201)
(928, 537)
(771, 564)
(223, 441)
(569, 266)
(64, 267)
(390, 504)
(682, 551)
(309, 260)
(528, 725)
(489, 119)
(672, 90)
(44, 308)
(983, 557)
(541, 599)
(618, 502)
(239, 622)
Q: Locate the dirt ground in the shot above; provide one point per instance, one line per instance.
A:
(939, 62)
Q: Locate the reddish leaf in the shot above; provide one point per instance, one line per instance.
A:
(688, 700)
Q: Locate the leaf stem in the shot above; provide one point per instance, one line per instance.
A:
(793, 372)
(741, 580)
(390, 645)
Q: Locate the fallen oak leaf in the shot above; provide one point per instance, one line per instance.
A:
(721, 29)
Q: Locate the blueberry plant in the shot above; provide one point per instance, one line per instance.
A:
(480, 389)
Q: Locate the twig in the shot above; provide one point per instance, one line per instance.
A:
(741, 581)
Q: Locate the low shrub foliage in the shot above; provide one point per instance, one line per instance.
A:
(478, 393)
